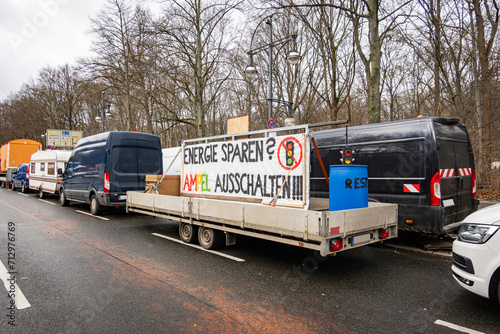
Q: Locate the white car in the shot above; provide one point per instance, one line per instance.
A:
(476, 253)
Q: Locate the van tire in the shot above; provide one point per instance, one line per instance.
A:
(95, 207)
(12, 186)
(40, 192)
(209, 238)
(62, 198)
(188, 232)
(23, 188)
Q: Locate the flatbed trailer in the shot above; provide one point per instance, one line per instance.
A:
(258, 186)
(318, 229)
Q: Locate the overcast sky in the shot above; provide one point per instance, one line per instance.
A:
(38, 33)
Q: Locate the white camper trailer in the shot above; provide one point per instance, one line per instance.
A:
(46, 171)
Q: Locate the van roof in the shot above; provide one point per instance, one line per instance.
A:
(102, 137)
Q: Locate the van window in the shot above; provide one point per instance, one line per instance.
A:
(92, 159)
(51, 168)
(42, 167)
(136, 160)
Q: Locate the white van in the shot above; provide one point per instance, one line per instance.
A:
(46, 171)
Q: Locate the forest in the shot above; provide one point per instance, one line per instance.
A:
(180, 73)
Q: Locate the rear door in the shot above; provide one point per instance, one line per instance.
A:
(131, 160)
(456, 170)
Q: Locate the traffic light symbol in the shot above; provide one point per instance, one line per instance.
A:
(289, 153)
(347, 158)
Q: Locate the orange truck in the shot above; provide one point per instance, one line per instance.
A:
(14, 153)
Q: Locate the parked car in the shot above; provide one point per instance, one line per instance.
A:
(476, 253)
(425, 165)
(103, 167)
(20, 179)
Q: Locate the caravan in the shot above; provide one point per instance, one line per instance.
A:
(46, 171)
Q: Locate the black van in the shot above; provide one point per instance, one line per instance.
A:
(425, 165)
(103, 167)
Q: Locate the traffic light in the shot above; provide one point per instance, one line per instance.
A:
(347, 158)
(289, 153)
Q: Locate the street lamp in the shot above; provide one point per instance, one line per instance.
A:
(293, 59)
(105, 112)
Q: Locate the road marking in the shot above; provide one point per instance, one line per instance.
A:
(91, 215)
(21, 301)
(42, 200)
(456, 327)
(237, 259)
(23, 194)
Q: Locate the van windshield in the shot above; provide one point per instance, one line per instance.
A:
(136, 160)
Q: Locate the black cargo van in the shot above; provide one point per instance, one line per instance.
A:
(103, 167)
(425, 165)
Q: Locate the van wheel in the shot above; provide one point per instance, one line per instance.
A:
(12, 186)
(23, 187)
(62, 198)
(95, 207)
(187, 232)
(209, 238)
(40, 192)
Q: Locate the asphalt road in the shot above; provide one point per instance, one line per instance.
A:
(83, 274)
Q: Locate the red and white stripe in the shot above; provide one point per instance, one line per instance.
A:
(411, 188)
(465, 171)
(450, 172)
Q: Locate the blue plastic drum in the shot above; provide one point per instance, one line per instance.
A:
(348, 187)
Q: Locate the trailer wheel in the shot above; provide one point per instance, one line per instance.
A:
(40, 192)
(209, 238)
(95, 207)
(62, 198)
(187, 232)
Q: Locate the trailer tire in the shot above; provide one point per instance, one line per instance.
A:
(62, 198)
(95, 207)
(209, 238)
(40, 192)
(188, 232)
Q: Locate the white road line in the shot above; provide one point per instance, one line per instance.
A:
(456, 327)
(237, 259)
(42, 200)
(23, 194)
(91, 215)
(21, 301)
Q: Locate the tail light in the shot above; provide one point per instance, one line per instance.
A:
(473, 183)
(28, 173)
(337, 244)
(384, 234)
(106, 182)
(436, 190)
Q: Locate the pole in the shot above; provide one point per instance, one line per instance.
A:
(270, 22)
(102, 113)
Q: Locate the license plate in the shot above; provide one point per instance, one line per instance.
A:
(448, 202)
(122, 197)
(361, 239)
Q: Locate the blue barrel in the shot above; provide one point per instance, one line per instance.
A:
(348, 187)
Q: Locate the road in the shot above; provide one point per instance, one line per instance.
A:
(122, 273)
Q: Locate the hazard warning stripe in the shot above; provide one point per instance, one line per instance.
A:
(411, 188)
(465, 171)
(447, 172)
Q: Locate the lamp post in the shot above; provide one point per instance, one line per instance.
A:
(104, 110)
(293, 59)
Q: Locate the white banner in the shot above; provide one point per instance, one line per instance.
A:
(261, 168)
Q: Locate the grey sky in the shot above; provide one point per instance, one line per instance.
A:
(38, 33)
